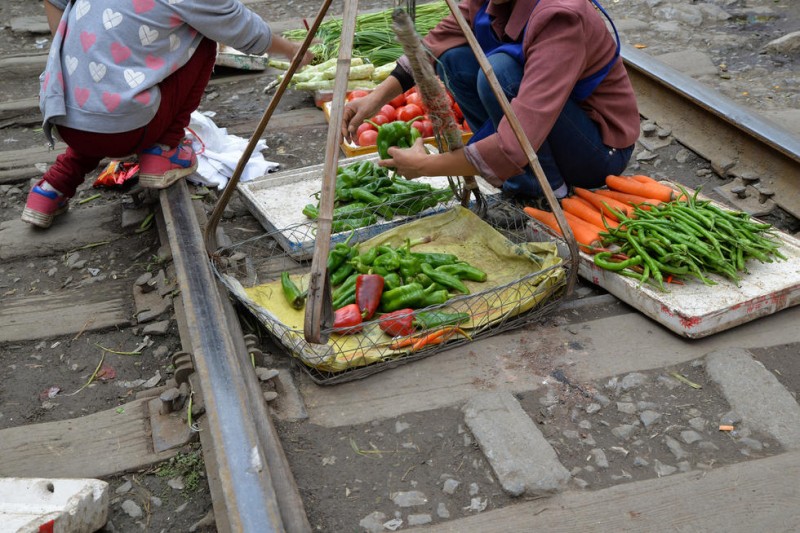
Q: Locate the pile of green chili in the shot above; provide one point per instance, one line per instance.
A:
(686, 239)
(366, 191)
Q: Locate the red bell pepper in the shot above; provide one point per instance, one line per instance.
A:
(369, 288)
(347, 319)
(398, 323)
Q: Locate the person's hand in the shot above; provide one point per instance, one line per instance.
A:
(408, 162)
(356, 112)
(286, 48)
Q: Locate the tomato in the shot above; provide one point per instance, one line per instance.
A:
(409, 112)
(358, 93)
(398, 101)
(367, 138)
(419, 126)
(415, 99)
(390, 112)
(457, 111)
(366, 126)
(427, 128)
(410, 91)
(380, 119)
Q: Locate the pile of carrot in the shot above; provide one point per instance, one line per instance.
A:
(589, 213)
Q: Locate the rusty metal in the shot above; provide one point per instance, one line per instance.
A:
(736, 140)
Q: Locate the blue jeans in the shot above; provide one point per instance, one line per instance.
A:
(573, 152)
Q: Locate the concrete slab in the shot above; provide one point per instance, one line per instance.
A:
(759, 495)
(756, 395)
(522, 459)
(32, 505)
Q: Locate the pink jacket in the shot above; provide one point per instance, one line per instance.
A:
(565, 41)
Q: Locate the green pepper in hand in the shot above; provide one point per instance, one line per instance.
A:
(397, 133)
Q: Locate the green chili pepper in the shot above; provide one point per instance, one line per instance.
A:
(435, 259)
(448, 280)
(347, 297)
(409, 267)
(369, 256)
(345, 286)
(293, 294)
(387, 258)
(434, 294)
(408, 295)
(603, 260)
(340, 274)
(392, 281)
(397, 133)
(463, 271)
(435, 319)
(345, 224)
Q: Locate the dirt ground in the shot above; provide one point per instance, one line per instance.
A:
(389, 470)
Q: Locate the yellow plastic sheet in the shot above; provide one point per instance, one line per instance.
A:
(511, 287)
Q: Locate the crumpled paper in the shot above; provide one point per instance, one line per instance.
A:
(218, 153)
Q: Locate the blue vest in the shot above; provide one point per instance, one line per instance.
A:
(490, 45)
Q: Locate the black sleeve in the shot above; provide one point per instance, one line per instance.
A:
(405, 78)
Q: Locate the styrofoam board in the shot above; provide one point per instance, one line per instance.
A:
(696, 310)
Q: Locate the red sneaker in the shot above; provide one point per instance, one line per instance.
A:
(159, 168)
(43, 206)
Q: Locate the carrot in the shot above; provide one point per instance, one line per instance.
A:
(641, 178)
(630, 199)
(585, 233)
(631, 186)
(605, 204)
(582, 209)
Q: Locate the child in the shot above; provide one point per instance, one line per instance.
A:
(123, 78)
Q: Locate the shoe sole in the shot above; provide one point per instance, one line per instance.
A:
(162, 181)
(40, 220)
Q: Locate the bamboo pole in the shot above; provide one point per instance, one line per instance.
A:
(319, 309)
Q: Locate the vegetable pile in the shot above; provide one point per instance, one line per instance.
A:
(642, 229)
(366, 191)
(390, 284)
(407, 107)
(362, 75)
(374, 38)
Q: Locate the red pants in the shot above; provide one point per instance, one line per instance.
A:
(181, 93)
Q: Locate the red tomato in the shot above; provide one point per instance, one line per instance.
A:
(410, 91)
(398, 101)
(367, 138)
(390, 112)
(457, 111)
(409, 112)
(420, 127)
(358, 93)
(380, 119)
(427, 128)
(415, 99)
(366, 126)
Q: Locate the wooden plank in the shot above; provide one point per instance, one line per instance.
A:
(78, 227)
(291, 120)
(97, 445)
(27, 157)
(758, 495)
(89, 308)
(22, 112)
(23, 65)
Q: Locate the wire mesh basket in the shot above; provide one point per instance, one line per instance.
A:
(524, 278)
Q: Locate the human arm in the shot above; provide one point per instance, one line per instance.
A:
(286, 48)
(53, 14)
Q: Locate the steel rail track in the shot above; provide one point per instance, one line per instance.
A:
(736, 140)
(250, 479)
(252, 488)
